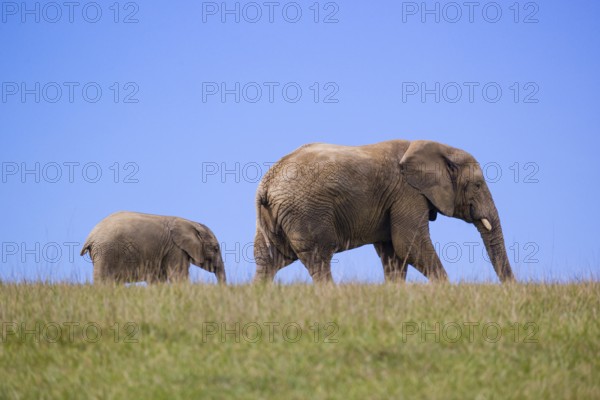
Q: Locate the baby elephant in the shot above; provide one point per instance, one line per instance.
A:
(132, 247)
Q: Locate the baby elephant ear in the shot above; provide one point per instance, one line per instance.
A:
(426, 166)
(191, 238)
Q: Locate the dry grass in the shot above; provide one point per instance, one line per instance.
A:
(372, 341)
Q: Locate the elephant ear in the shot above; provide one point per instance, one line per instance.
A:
(191, 238)
(428, 168)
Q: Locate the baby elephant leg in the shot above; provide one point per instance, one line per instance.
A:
(174, 267)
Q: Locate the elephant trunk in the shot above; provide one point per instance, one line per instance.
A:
(221, 278)
(219, 268)
(494, 244)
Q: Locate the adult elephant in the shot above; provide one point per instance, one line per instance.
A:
(322, 199)
(130, 247)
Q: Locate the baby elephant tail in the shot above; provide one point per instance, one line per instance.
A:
(87, 247)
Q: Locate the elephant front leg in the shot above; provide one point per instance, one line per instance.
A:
(159, 276)
(174, 267)
(411, 241)
(423, 257)
(394, 267)
(178, 273)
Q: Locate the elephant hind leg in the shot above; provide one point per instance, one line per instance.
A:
(106, 267)
(100, 273)
(268, 260)
(104, 273)
(318, 264)
(395, 265)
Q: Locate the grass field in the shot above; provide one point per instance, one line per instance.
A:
(300, 341)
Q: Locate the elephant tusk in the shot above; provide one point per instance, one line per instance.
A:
(487, 224)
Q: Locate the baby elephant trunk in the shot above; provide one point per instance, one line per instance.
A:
(219, 269)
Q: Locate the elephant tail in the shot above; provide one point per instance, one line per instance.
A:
(87, 247)
(267, 222)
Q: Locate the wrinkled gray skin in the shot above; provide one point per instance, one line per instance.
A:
(322, 199)
(131, 247)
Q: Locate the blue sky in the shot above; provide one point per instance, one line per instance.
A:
(520, 95)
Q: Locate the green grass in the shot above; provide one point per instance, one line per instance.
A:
(363, 348)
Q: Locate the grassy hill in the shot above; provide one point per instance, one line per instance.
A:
(300, 341)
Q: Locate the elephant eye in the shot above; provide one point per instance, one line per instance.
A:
(477, 185)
